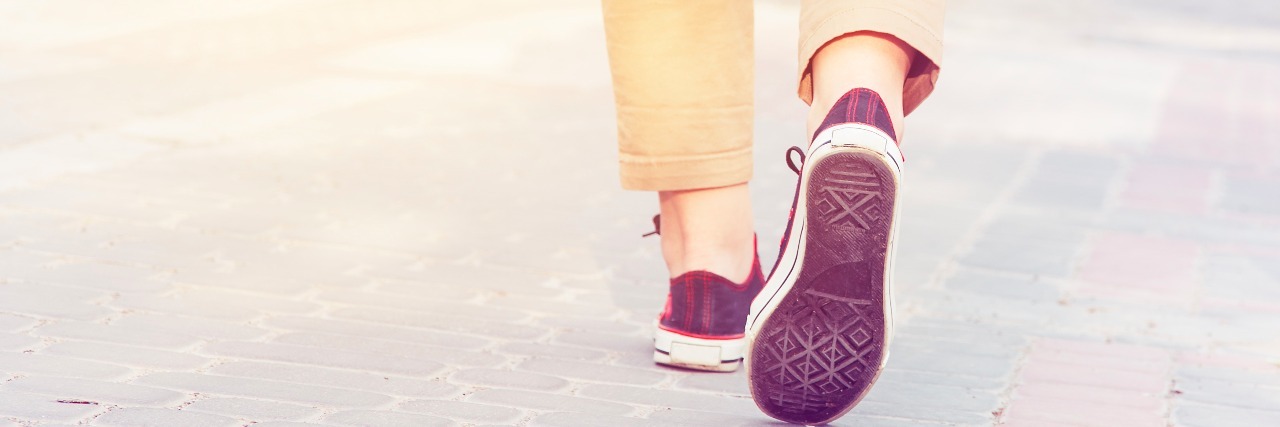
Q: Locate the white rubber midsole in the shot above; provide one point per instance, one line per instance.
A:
(687, 350)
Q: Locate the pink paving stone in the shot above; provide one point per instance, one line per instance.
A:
(1094, 376)
(1108, 349)
(1100, 387)
(1236, 98)
(1140, 401)
(1125, 364)
(1033, 411)
(1167, 188)
(1130, 264)
(1020, 422)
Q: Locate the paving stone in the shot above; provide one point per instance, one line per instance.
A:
(578, 419)
(935, 396)
(95, 391)
(505, 378)
(962, 381)
(472, 277)
(544, 350)
(445, 323)
(592, 371)
(611, 342)
(191, 326)
(1018, 287)
(217, 304)
(1194, 374)
(106, 277)
(916, 414)
(330, 358)
(402, 302)
(393, 348)
(668, 398)
(156, 416)
(51, 301)
(1241, 277)
(550, 306)
(547, 402)
(1242, 395)
(464, 411)
(1069, 180)
(13, 323)
(1247, 196)
(955, 364)
(263, 389)
(1021, 255)
(1190, 414)
(297, 100)
(882, 421)
(116, 334)
(423, 290)
(250, 409)
(365, 418)
(1033, 410)
(731, 384)
(593, 324)
(419, 336)
(44, 409)
(709, 418)
(1141, 401)
(43, 364)
(339, 378)
(17, 343)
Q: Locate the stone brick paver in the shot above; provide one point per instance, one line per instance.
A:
(288, 213)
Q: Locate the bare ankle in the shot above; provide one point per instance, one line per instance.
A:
(729, 256)
(708, 229)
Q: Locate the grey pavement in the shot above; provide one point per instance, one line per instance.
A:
(294, 212)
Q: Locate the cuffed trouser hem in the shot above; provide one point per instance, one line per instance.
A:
(654, 173)
(918, 23)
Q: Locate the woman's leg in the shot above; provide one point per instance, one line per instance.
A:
(865, 59)
(893, 47)
(864, 65)
(682, 77)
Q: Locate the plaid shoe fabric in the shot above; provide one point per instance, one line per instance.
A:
(702, 325)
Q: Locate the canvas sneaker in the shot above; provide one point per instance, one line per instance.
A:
(821, 327)
(702, 324)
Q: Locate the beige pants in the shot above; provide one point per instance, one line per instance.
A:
(683, 70)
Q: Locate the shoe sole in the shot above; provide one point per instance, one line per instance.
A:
(820, 346)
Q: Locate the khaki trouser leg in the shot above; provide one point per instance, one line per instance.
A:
(682, 79)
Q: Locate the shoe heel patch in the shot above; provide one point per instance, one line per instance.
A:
(695, 354)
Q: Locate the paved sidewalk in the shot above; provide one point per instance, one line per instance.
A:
(293, 212)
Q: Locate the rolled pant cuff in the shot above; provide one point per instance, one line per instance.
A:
(648, 173)
(924, 72)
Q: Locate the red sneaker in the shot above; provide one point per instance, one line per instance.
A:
(820, 330)
(702, 325)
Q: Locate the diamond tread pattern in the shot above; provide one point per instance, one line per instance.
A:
(821, 349)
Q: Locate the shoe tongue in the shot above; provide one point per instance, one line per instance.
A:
(860, 105)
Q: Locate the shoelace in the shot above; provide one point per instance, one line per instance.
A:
(792, 164)
(657, 219)
(657, 227)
